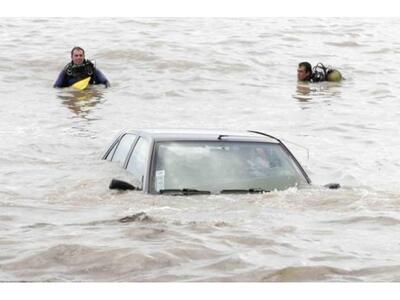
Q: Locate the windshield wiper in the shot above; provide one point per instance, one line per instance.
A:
(184, 192)
(244, 191)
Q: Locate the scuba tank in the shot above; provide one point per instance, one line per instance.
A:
(334, 75)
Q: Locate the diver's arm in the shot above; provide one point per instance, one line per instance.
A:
(100, 78)
(60, 82)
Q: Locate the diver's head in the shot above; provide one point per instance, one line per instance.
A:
(304, 71)
(77, 55)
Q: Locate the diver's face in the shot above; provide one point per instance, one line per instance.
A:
(302, 74)
(78, 57)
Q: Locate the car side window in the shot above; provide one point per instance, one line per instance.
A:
(123, 148)
(112, 151)
(138, 160)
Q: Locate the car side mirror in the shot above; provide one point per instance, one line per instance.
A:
(117, 184)
(332, 186)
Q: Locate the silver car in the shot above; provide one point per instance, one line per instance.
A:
(188, 162)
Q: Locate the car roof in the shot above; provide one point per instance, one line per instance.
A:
(204, 134)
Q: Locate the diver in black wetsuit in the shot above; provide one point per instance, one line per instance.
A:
(80, 68)
(318, 73)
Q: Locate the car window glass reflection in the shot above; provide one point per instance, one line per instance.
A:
(123, 148)
(138, 160)
(223, 165)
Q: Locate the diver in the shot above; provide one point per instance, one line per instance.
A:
(318, 73)
(79, 69)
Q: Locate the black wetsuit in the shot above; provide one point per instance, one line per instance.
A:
(73, 73)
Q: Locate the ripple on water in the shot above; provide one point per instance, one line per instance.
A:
(345, 44)
(379, 220)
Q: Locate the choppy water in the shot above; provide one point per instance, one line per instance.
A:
(59, 221)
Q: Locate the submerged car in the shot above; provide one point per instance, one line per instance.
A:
(165, 161)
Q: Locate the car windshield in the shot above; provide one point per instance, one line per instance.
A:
(223, 166)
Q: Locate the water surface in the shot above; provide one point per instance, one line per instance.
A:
(59, 221)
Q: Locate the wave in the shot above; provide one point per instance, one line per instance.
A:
(350, 44)
(381, 220)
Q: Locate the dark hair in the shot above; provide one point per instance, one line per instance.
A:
(306, 65)
(77, 48)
